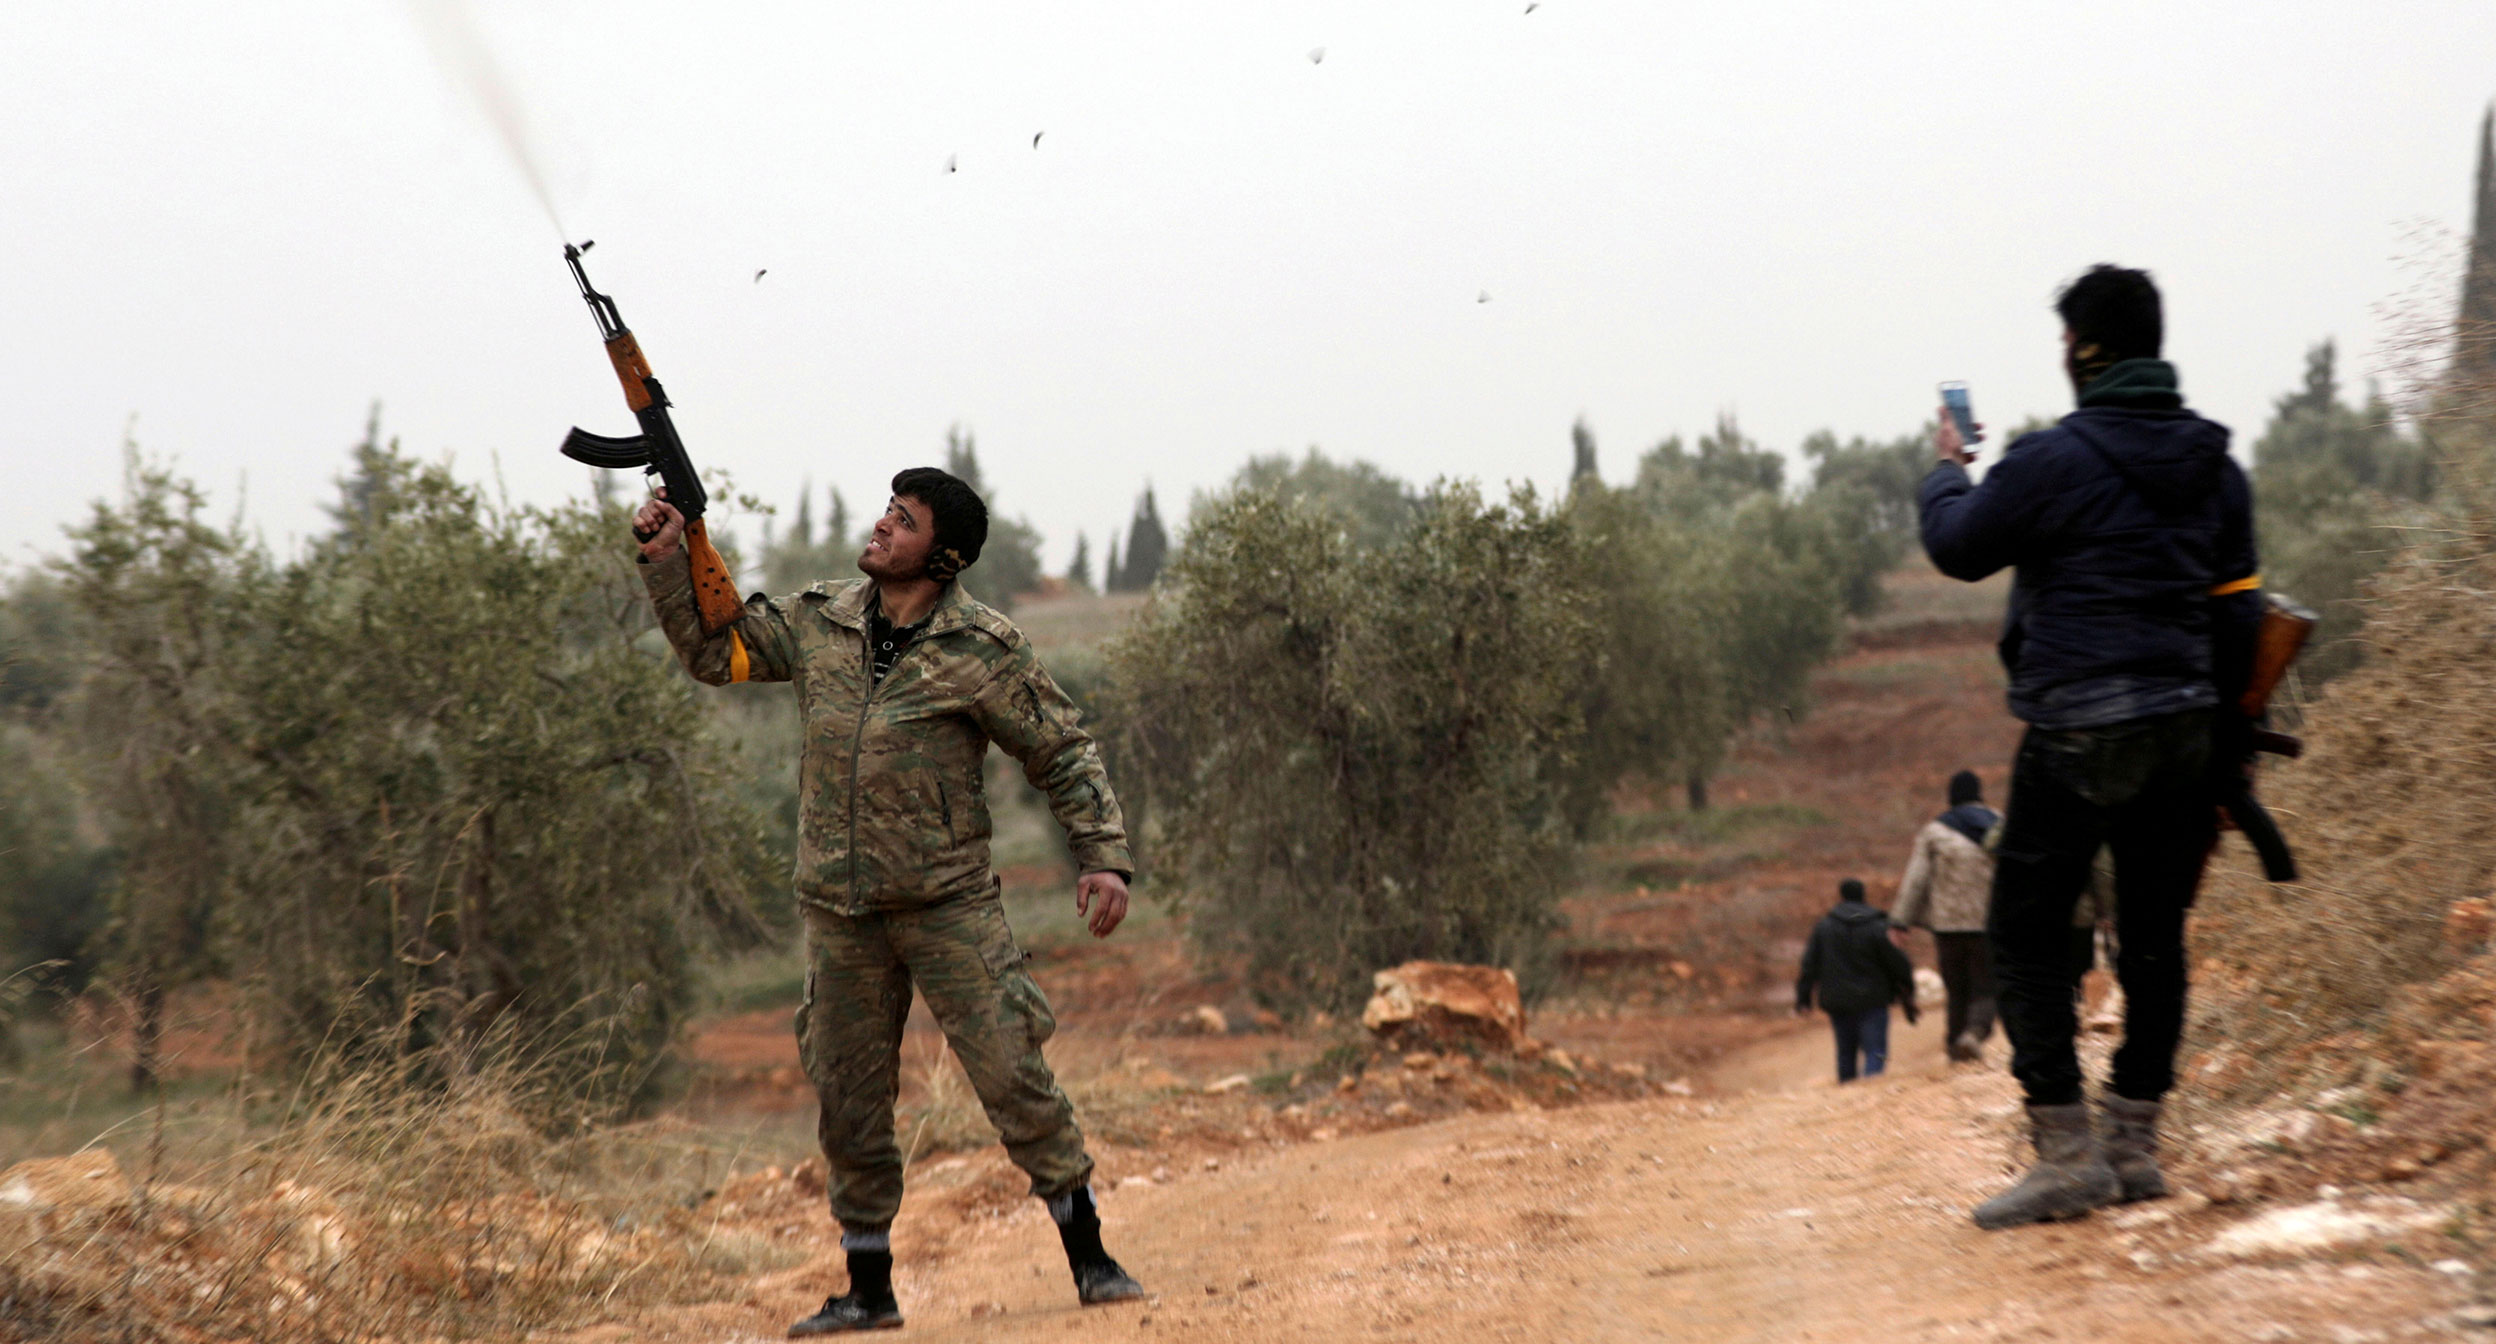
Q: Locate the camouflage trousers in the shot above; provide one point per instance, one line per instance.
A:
(967, 966)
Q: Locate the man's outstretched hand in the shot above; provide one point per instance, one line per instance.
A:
(1102, 897)
(660, 518)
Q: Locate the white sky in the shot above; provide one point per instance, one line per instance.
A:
(239, 224)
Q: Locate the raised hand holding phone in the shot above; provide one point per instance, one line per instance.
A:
(1958, 428)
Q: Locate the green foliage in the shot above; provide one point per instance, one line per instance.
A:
(155, 590)
(365, 492)
(40, 652)
(2333, 484)
(56, 880)
(1727, 466)
(431, 785)
(1866, 492)
(1079, 568)
(476, 796)
(1660, 704)
(1354, 756)
(1716, 604)
(800, 557)
(1370, 507)
(1148, 547)
(1009, 565)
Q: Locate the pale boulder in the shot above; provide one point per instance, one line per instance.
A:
(87, 1180)
(1425, 1003)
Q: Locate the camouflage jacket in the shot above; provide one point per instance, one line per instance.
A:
(892, 811)
(1948, 883)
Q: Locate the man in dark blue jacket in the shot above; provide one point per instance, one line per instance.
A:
(2131, 534)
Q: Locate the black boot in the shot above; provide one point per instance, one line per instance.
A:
(868, 1305)
(1098, 1279)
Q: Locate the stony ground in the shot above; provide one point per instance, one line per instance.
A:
(1774, 1205)
(1768, 1204)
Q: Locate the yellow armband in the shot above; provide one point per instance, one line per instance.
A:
(2244, 585)
(740, 667)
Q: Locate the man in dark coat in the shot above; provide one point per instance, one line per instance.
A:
(1858, 972)
(2132, 611)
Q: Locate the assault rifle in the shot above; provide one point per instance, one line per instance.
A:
(2281, 637)
(657, 451)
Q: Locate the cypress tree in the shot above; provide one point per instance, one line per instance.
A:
(1079, 569)
(1147, 545)
(2474, 334)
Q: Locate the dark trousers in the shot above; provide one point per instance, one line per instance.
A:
(1865, 1033)
(2142, 788)
(2083, 959)
(1967, 977)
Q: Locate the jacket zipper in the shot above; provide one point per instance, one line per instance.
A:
(858, 745)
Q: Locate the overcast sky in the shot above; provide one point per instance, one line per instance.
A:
(230, 228)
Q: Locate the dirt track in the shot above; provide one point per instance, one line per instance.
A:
(1771, 1206)
(1801, 1212)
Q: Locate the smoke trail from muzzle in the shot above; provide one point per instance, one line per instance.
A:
(451, 31)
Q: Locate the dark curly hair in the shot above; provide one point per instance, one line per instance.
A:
(960, 515)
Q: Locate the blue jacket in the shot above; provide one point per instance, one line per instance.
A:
(2120, 522)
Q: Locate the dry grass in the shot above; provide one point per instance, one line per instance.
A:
(2391, 816)
(2359, 1005)
(372, 1207)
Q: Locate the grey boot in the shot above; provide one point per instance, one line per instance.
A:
(2069, 1179)
(2127, 1134)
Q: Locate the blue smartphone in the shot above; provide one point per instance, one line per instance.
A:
(1954, 398)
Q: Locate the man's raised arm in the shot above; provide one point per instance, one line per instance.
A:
(756, 647)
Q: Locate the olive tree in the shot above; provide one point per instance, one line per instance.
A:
(1356, 755)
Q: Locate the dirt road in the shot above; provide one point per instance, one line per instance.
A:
(1771, 1206)
(1779, 1208)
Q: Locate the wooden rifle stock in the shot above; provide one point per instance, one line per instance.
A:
(714, 589)
(2281, 637)
(2285, 629)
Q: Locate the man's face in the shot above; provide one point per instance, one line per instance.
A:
(897, 547)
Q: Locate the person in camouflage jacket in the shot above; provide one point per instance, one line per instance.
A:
(903, 681)
(1948, 881)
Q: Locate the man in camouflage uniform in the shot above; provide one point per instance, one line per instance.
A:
(903, 681)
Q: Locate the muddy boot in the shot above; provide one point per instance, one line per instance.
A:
(1098, 1279)
(2070, 1177)
(868, 1305)
(1966, 1048)
(2127, 1134)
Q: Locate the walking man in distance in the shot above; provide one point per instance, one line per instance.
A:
(1857, 973)
(1948, 881)
(2134, 601)
(903, 681)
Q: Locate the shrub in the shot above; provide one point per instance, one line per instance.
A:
(1355, 755)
